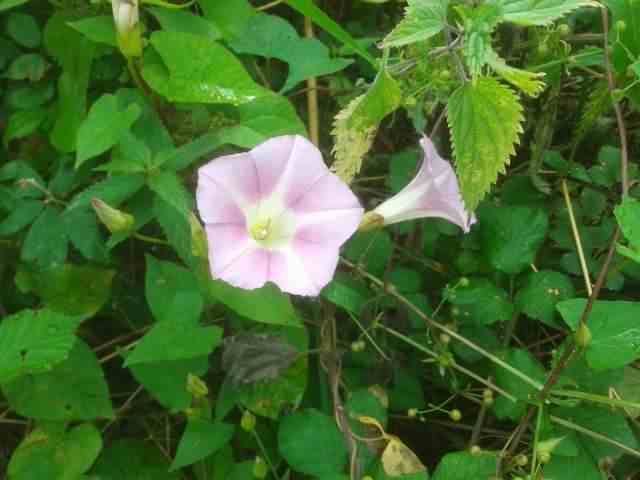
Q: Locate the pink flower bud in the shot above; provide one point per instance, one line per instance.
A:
(115, 220)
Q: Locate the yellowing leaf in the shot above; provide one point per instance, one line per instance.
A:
(355, 126)
(398, 459)
(529, 82)
(485, 119)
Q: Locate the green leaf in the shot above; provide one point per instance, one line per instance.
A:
(172, 292)
(346, 292)
(46, 243)
(168, 186)
(541, 292)
(229, 17)
(523, 361)
(73, 83)
(84, 233)
(8, 4)
(371, 250)
(23, 123)
(104, 126)
(22, 215)
(76, 290)
(128, 459)
(74, 389)
(628, 216)
(512, 236)
(273, 37)
(422, 20)
(299, 436)
(56, 454)
(309, 9)
(185, 22)
(270, 396)
(529, 82)
(167, 381)
(99, 29)
(29, 97)
(30, 66)
(209, 74)
(201, 438)
(604, 422)
(176, 228)
(264, 305)
(34, 341)
(169, 341)
(485, 119)
(23, 29)
(355, 126)
(540, 12)
(613, 324)
(481, 302)
(114, 190)
(465, 466)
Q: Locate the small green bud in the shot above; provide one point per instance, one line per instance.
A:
(445, 338)
(564, 29)
(487, 397)
(125, 16)
(463, 282)
(198, 237)
(621, 26)
(455, 312)
(248, 421)
(618, 94)
(196, 387)
(544, 457)
(475, 450)
(455, 415)
(412, 412)
(543, 49)
(115, 220)
(260, 469)
(582, 336)
(522, 460)
(445, 74)
(358, 346)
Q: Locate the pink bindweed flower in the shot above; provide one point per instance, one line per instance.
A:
(434, 192)
(275, 214)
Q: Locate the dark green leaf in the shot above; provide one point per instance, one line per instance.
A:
(465, 466)
(521, 360)
(299, 436)
(34, 341)
(512, 235)
(30, 66)
(481, 302)
(24, 213)
(23, 29)
(46, 243)
(133, 460)
(100, 29)
(23, 123)
(540, 293)
(201, 438)
(74, 389)
(185, 22)
(114, 190)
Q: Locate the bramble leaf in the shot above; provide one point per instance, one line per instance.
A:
(485, 119)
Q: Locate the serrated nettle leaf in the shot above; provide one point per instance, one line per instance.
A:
(422, 20)
(355, 126)
(615, 335)
(479, 23)
(105, 124)
(74, 389)
(209, 74)
(485, 119)
(529, 82)
(541, 12)
(33, 341)
(541, 292)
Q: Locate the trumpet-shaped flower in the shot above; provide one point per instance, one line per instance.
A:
(434, 192)
(275, 213)
(126, 17)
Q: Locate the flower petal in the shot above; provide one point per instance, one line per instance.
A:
(328, 192)
(216, 204)
(329, 227)
(250, 270)
(234, 174)
(226, 243)
(305, 268)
